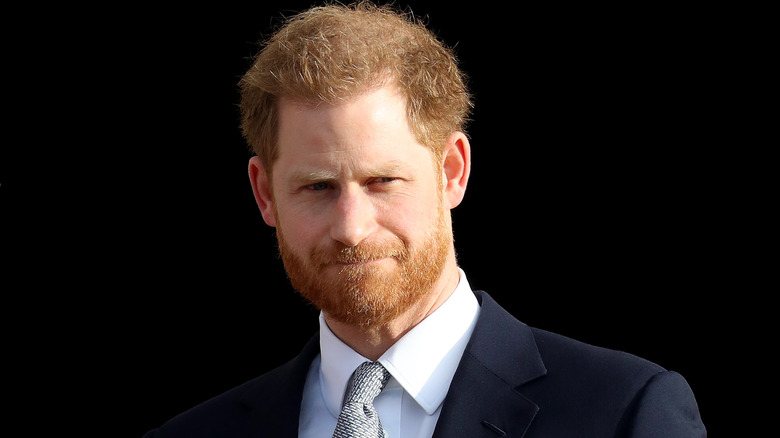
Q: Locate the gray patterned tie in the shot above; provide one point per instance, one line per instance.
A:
(358, 418)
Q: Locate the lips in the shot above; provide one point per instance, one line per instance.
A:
(359, 262)
(360, 255)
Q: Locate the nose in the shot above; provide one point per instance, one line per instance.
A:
(354, 218)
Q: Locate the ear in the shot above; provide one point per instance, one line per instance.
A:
(261, 187)
(456, 168)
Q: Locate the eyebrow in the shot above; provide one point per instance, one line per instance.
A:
(311, 175)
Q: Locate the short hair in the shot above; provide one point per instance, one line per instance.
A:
(330, 54)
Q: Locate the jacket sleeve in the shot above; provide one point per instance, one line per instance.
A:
(665, 407)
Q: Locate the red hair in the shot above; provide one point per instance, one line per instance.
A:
(333, 53)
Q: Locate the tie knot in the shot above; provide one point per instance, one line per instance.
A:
(367, 382)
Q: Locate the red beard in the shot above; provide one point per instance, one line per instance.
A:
(370, 294)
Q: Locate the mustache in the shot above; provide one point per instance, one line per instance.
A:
(363, 252)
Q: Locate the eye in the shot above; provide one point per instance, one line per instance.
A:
(318, 186)
(384, 179)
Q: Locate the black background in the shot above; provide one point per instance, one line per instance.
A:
(151, 283)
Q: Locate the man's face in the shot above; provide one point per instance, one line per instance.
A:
(358, 203)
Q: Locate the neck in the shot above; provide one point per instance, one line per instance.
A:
(373, 341)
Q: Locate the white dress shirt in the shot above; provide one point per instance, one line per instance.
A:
(422, 364)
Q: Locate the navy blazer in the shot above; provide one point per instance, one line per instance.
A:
(513, 381)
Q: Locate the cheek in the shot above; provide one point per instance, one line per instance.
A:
(302, 232)
(411, 221)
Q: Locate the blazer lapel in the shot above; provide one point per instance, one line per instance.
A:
(482, 400)
(276, 405)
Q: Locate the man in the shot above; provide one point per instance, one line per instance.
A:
(356, 115)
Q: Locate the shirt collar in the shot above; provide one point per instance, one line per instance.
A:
(423, 361)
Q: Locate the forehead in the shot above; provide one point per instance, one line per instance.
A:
(369, 130)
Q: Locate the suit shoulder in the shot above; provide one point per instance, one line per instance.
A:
(231, 411)
(623, 391)
(579, 372)
(563, 353)
(499, 331)
(223, 412)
